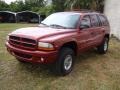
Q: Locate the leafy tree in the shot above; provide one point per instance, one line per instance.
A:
(85, 4)
(58, 5)
(18, 6)
(46, 10)
(100, 5)
(35, 3)
(3, 6)
(41, 6)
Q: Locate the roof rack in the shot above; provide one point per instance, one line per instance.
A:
(84, 10)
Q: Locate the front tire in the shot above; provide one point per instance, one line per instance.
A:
(65, 62)
(103, 48)
(20, 60)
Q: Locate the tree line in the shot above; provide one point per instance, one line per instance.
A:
(45, 7)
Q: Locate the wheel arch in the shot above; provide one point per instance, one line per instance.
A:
(107, 36)
(71, 44)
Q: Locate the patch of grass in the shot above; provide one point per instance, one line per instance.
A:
(91, 71)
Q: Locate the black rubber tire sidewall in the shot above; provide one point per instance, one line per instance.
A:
(100, 48)
(60, 70)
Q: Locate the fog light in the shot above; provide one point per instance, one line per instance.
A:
(42, 59)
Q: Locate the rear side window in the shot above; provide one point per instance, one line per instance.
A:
(104, 21)
(94, 20)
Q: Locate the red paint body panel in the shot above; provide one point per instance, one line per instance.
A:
(84, 39)
(36, 56)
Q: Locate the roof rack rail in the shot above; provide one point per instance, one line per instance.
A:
(84, 10)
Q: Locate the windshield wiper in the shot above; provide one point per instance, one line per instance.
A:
(44, 24)
(58, 26)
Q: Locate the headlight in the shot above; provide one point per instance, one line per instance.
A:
(45, 46)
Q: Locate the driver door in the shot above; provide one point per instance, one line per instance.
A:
(84, 35)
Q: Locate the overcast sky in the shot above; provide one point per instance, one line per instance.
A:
(9, 1)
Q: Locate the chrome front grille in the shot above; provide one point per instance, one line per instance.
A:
(22, 42)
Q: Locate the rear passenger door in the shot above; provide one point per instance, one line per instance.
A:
(104, 24)
(96, 30)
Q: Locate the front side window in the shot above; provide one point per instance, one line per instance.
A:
(62, 20)
(85, 22)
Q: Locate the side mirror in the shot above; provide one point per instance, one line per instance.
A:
(84, 26)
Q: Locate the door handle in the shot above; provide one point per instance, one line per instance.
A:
(103, 31)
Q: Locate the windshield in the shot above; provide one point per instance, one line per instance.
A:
(62, 20)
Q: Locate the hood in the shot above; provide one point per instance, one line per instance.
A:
(39, 32)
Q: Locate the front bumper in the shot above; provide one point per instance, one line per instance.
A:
(42, 57)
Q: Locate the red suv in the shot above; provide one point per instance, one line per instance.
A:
(60, 38)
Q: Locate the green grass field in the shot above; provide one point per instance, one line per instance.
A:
(91, 71)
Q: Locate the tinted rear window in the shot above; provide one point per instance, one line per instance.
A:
(104, 21)
(94, 20)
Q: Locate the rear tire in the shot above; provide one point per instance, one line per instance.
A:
(103, 48)
(65, 62)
